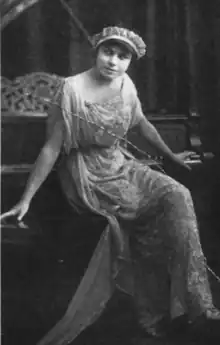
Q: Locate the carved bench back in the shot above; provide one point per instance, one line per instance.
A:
(24, 114)
(21, 95)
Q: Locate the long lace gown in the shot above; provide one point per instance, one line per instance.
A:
(151, 247)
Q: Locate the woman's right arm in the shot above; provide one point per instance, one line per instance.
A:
(41, 169)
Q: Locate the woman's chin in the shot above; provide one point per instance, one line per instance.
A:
(108, 76)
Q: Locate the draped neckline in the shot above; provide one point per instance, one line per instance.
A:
(110, 101)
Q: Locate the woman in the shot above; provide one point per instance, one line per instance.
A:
(150, 248)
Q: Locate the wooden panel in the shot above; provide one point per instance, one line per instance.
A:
(22, 138)
(173, 129)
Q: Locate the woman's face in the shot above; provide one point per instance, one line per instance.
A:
(113, 60)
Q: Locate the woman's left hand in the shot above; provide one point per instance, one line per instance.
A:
(180, 158)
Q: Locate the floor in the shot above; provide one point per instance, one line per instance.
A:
(41, 273)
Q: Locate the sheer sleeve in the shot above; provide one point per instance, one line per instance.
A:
(63, 108)
(136, 111)
(54, 112)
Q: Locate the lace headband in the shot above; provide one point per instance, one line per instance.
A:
(123, 35)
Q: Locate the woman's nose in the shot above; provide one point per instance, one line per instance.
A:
(113, 60)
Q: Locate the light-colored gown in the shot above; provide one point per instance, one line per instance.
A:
(150, 248)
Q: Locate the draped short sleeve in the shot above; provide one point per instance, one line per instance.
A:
(63, 108)
(137, 112)
(54, 112)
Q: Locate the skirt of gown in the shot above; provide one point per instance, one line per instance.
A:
(166, 271)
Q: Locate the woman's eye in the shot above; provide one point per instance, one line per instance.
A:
(123, 56)
(107, 51)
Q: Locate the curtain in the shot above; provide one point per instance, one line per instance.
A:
(36, 39)
(181, 73)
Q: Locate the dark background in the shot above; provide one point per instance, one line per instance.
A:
(180, 73)
(42, 265)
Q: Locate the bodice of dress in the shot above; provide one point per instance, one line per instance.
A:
(95, 172)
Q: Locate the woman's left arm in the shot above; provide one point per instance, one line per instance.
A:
(151, 134)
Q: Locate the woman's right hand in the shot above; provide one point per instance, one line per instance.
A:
(19, 210)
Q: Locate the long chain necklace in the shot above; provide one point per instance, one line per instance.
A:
(156, 161)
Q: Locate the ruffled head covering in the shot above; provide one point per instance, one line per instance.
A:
(122, 35)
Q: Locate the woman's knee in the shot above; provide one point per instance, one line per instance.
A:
(180, 188)
(177, 187)
(182, 195)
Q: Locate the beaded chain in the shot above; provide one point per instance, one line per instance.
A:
(156, 161)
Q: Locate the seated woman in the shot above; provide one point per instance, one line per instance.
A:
(151, 247)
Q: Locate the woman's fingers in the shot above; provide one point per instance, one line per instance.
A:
(23, 211)
(21, 215)
(185, 155)
(187, 166)
(180, 160)
(7, 214)
(19, 210)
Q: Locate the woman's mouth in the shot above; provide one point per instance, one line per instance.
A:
(111, 70)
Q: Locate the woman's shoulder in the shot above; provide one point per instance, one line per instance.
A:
(76, 80)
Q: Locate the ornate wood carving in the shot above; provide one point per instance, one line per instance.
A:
(21, 95)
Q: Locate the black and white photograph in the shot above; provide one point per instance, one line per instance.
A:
(110, 172)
